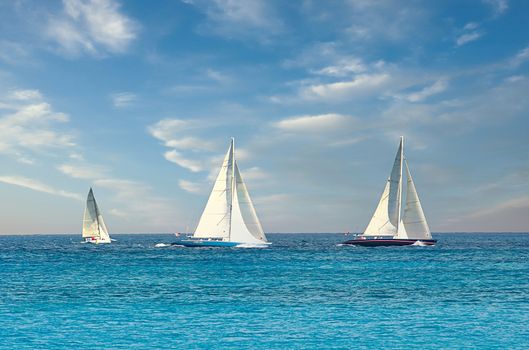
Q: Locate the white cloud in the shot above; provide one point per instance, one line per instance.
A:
(343, 67)
(383, 19)
(239, 18)
(499, 6)
(123, 99)
(314, 123)
(93, 26)
(86, 172)
(467, 37)
(165, 129)
(177, 158)
(171, 132)
(254, 174)
(25, 95)
(437, 87)
(359, 86)
(521, 57)
(38, 186)
(30, 124)
(190, 143)
(14, 52)
(192, 187)
(471, 26)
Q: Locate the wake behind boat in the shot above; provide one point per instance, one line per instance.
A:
(94, 228)
(229, 219)
(387, 227)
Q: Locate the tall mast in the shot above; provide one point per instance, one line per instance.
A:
(232, 183)
(399, 196)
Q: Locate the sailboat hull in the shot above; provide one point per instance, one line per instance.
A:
(390, 242)
(195, 243)
(95, 241)
(204, 243)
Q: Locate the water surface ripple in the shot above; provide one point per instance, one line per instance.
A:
(304, 292)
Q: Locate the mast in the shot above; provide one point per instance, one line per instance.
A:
(232, 183)
(399, 195)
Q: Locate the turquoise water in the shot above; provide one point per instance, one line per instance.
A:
(470, 291)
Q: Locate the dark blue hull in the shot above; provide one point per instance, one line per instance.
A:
(389, 242)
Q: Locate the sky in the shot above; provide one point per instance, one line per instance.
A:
(139, 100)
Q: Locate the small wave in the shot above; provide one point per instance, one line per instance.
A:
(161, 245)
(420, 244)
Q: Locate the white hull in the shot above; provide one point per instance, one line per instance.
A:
(95, 241)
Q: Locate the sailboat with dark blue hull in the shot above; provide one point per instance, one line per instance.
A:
(229, 219)
(387, 226)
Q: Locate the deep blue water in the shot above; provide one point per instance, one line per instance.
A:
(304, 292)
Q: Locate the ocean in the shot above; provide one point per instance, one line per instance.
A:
(304, 292)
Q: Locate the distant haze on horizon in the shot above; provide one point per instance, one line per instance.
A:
(139, 101)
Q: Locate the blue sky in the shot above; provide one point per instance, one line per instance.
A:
(138, 99)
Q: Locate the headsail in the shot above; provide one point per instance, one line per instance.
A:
(413, 218)
(246, 226)
(215, 219)
(93, 223)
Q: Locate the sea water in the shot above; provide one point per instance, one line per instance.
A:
(303, 292)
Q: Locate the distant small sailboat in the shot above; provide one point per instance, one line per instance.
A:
(94, 228)
(229, 218)
(387, 227)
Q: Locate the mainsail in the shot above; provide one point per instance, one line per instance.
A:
(93, 223)
(215, 219)
(229, 214)
(387, 219)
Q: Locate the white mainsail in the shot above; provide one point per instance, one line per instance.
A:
(380, 225)
(93, 223)
(215, 219)
(229, 213)
(395, 187)
(387, 219)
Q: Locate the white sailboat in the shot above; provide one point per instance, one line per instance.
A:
(229, 218)
(389, 224)
(94, 228)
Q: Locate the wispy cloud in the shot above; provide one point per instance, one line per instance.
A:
(436, 88)
(38, 186)
(174, 134)
(192, 187)
(86, 172)
(520, 58)
(314, 123)
(239, 19)
(14, 53)
(383, 19)
(29, 124)
(467, 37)
(498, 6)
(25, 95)
(136, 201)
(95, 27)
(123, 99)
(358, 86)
(177, 158)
